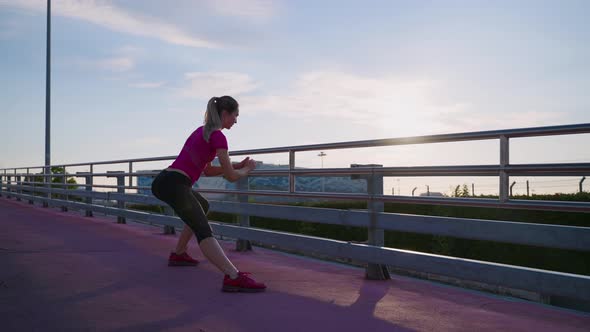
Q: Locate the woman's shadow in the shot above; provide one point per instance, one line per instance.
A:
(276, 311)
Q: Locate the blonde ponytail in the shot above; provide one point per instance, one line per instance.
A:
(212, 119)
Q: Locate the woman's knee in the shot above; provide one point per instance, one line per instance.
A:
(203, 235)
(196, 221)
(201, 229)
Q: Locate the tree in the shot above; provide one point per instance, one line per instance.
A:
(465, 191)
(58, 179)
(461, 191)
(457, 191)
(39, 182)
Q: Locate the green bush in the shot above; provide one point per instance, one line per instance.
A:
(569, 261)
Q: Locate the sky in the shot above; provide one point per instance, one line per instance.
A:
(131, 79)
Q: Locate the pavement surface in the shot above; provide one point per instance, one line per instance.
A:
(61, 271)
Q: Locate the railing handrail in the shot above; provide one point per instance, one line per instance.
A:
(439, 138)
(503, 169)
(479, 170)
(563, 206)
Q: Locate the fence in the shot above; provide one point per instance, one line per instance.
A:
(16, 183)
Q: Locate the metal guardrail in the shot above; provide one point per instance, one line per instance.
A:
(374, 219)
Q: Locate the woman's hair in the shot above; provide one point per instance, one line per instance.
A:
(213, 115)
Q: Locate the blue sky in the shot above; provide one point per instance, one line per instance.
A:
(131, 79)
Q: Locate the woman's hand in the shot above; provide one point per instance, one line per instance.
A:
(231, 173)
(250, 164)
(242, 163)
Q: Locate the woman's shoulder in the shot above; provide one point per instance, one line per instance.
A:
(218, 140)
(217, 133)
(198, 131)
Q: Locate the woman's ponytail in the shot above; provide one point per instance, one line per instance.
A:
(212, 119)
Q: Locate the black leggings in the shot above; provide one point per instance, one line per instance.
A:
(175, 189)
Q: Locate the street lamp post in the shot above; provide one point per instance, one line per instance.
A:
(48, 102)
(322, 155)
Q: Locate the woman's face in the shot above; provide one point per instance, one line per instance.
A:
(229, 119)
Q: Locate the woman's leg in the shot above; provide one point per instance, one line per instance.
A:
(185, 236)
(187, 204)
(214, 253)
(189, 209)
(187, 233)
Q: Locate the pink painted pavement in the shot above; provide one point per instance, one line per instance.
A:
(60, 271)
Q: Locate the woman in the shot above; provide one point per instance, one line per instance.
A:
(174, 186)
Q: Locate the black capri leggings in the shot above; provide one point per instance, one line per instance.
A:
(175, 189)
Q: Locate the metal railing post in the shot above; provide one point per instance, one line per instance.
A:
(47, 181)
(8, 184)
(88, 181)
(33, 193)
(130, 174)
(30, 191)
(244, 219)
(504, 161)
(1, 184)
(120, 202)
(19, 189)
(121, 190)
(291, 168)
(64, 181)
(376, 236)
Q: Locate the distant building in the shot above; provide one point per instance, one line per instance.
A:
(204, 182)
(145, 180)
(342, 184)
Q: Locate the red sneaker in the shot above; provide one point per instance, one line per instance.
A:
(181, 260)
(242, 283)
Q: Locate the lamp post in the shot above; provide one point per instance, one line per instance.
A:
(47, 180)
(322, 155)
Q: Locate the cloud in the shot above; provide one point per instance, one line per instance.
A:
(373, 102)
(388, 105)
(256, 10)
(394, 106)
(468, 119)
(117, 64)
(130, 50)
(204, 85)
(105, 14)
(119, 60)
(147, 85)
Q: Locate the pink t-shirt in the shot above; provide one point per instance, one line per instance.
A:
(197, 153)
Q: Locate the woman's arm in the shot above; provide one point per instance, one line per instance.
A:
(228, 170)
(212, 170)
(218, 170)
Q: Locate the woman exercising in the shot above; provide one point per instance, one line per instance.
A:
(173, 185)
